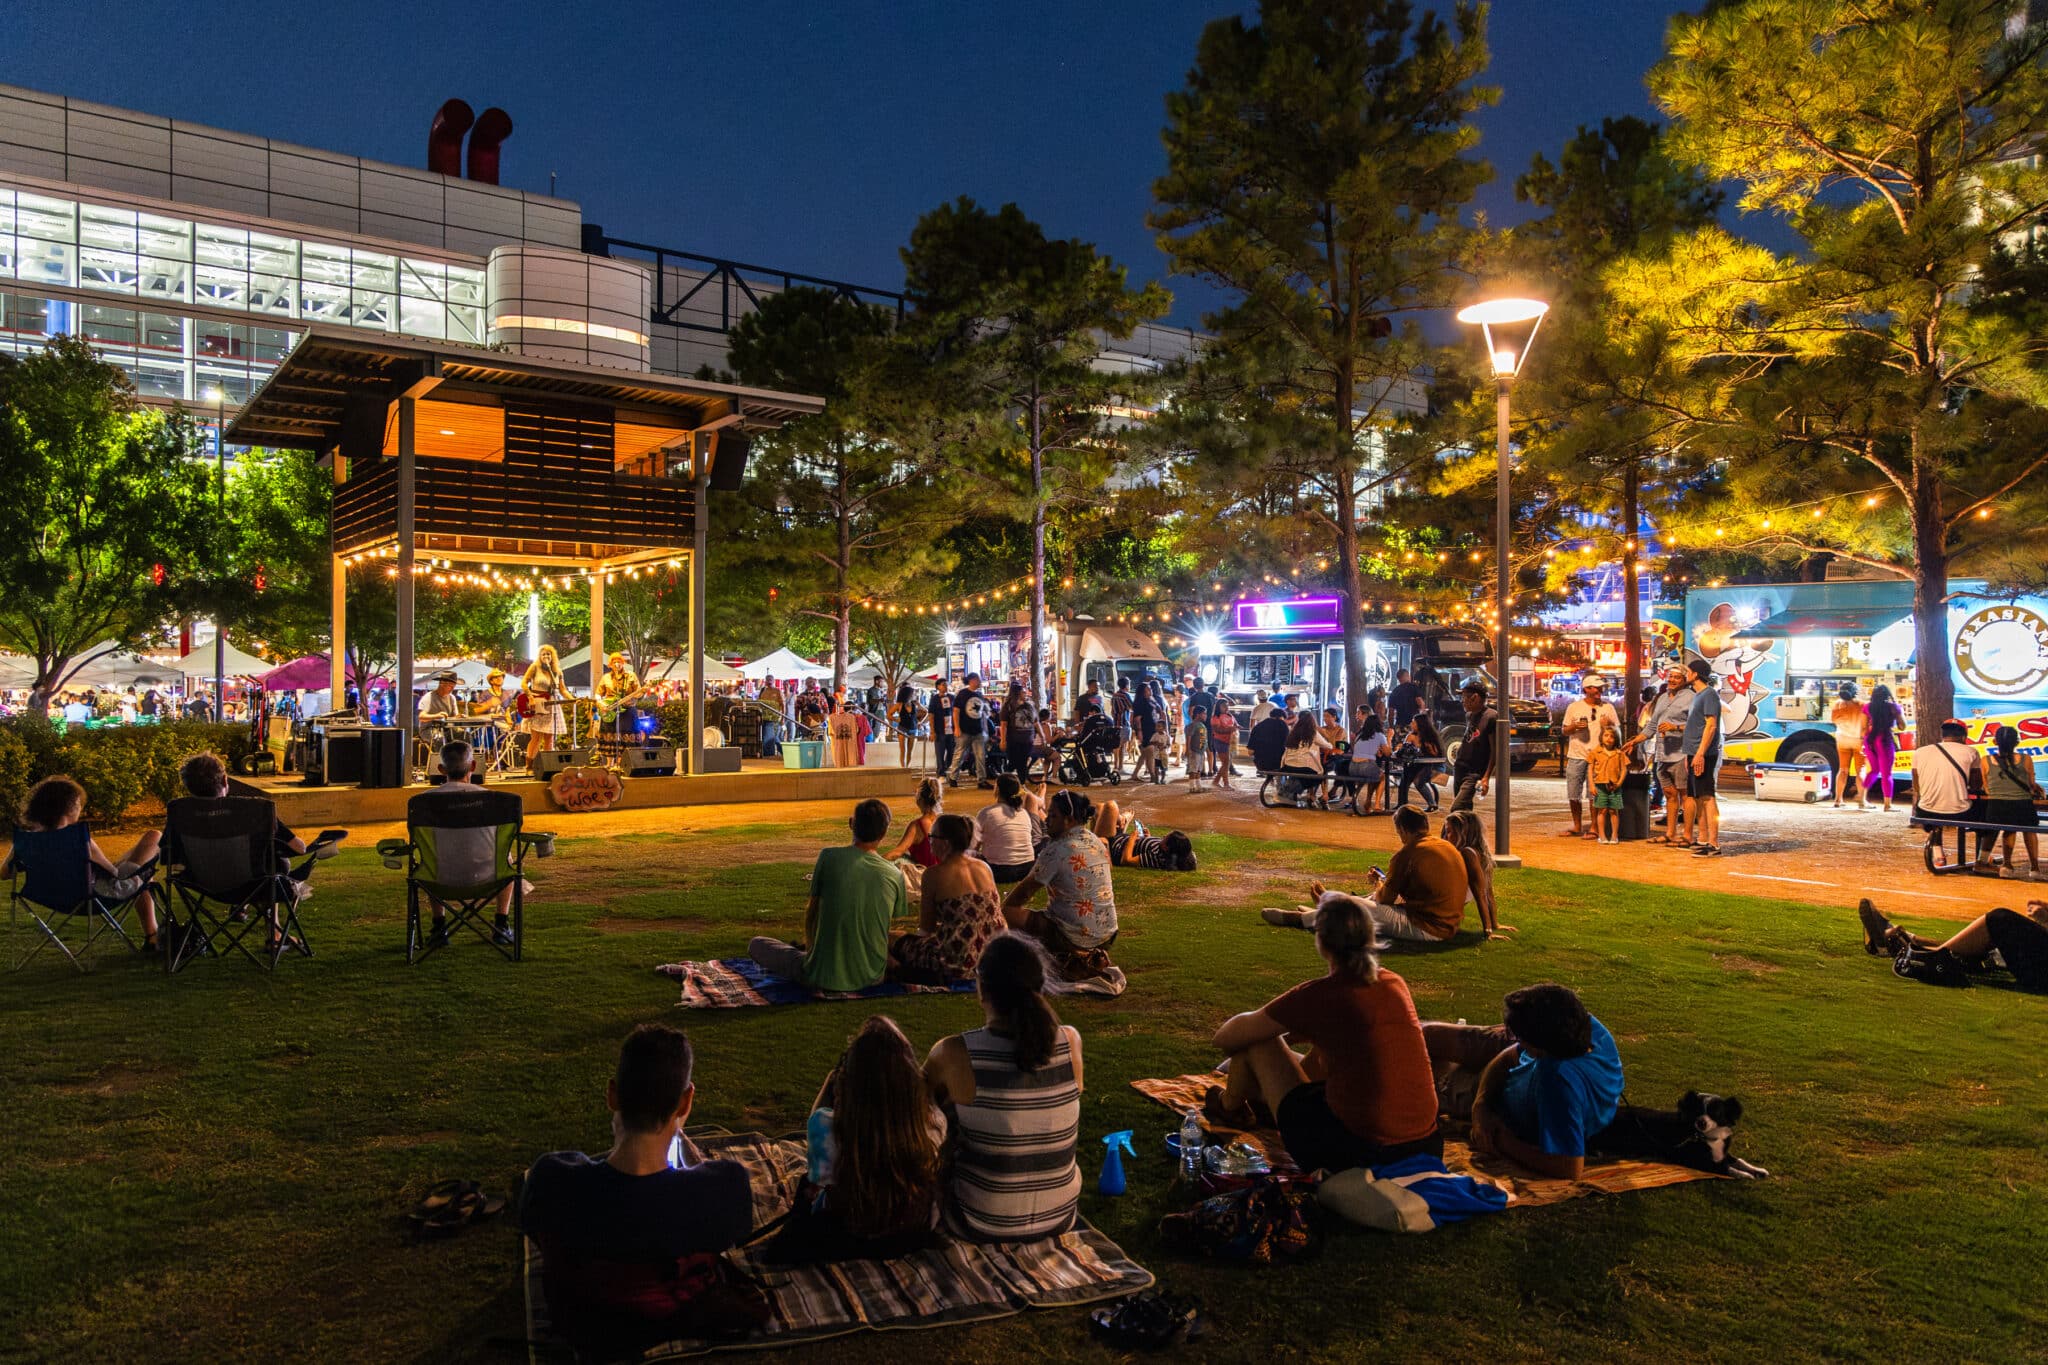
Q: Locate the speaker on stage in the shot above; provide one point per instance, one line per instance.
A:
(729, 460)
(548, 762)
(649, 760)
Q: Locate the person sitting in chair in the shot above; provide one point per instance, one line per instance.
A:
(58, 802)
(467, 857)
(630, 1241)
(855, 893)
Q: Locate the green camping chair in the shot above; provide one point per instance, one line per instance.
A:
(463, 848)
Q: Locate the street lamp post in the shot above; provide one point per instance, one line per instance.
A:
(220, 494)
(1509, 327)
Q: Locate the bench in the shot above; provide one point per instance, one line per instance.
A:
(1326, 786)
(1982, 828)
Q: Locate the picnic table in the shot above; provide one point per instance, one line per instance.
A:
(1967, 825)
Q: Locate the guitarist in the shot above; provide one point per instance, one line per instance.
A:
(616, 691)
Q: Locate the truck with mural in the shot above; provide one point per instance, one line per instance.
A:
(1781, 652)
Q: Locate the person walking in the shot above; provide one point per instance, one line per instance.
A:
(1020, 731)
(1472, 769)
(1583, 721)
(1882, 719)
(1120, 712)
(971, 721)
(1702, 746)
(908, 718)
(944, 741)
(1847, 717)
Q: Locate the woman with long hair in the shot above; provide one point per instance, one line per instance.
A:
(544, 688)
(1426, 743)
(1304, 757)
(57, 803)
(880, 1193)
(1363, 1093)
(1881, 721)
(2010, 792)
(959, 911)
(1013, 1089)
(907, 717)
(1008, 831)
(916, 843)
(1463, 832)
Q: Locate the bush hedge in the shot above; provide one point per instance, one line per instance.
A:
(117, 766)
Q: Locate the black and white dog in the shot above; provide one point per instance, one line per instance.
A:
(1699, 1133)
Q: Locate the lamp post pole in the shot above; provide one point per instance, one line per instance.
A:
(1503, 723)
(220, 494)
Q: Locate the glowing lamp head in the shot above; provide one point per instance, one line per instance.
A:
(1208, 642)
(952, 636)
(1509, 327)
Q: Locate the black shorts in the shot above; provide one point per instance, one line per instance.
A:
(1703, 784)
(1318, 1140)
(1007, 873)
(2023, 944)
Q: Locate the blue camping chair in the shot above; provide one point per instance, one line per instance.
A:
(53, 881)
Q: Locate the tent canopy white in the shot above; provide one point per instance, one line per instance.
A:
(112, 667)
(237, 664)
(677, 670)
(783, 664)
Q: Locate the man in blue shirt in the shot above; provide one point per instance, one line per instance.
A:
(627, 1240)
(1548, 1080)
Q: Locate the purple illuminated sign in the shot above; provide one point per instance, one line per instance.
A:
(1293, 615)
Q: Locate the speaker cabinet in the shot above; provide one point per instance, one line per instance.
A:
(548, 762)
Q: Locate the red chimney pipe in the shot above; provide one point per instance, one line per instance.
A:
(492, 128)
(444, 137)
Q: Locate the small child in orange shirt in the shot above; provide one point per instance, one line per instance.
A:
(1607, 765)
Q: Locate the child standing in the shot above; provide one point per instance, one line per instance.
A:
(1197, 744)
(1607, 765)
(1222, 735)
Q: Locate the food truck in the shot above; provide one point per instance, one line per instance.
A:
(1082, 649)
(1296, 646)
(1781, 651)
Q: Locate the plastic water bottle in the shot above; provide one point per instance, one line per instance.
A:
(818, 1146)
(1191, 1140)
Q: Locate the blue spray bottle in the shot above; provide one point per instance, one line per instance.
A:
(1112, 1181)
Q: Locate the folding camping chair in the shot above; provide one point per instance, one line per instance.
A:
(461, 850)
(52, 878)
(224, 868)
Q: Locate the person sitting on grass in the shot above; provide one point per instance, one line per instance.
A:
(1548, 1079)
(1462, 831)
(1131, 846)
(916, 843)
(1363, 1093)
(1419, 898)
(2020, 940)
(467, 857)
(58, 802)
(1079, 920)
(630, 1244)
(1013, 1090)
(959, 910)
(1005, 833)
(855, 893)
(874, 1191)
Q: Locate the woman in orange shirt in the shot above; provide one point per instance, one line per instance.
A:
(1847, 717)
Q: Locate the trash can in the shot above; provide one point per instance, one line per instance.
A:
(1635, 806)
(803, 753)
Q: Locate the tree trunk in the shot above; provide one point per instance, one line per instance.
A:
(842, 571)
(1631, 595)
(1934, 691)
(1038, 685)
(1345, 486)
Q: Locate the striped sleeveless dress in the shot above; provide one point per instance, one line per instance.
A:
(1014, 1174)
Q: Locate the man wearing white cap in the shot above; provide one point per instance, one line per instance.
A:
(1583, 721)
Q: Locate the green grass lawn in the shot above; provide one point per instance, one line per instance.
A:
(216, 1167)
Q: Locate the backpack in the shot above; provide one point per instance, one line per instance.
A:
(1930, 967)
(1270, 1220)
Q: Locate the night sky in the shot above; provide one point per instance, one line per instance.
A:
(803, 136)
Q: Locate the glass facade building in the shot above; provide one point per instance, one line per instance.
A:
(191, 308)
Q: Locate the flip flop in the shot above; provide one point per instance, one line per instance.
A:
(471, 1205)
(1150, 1321)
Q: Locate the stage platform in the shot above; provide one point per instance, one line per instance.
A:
(306, 808)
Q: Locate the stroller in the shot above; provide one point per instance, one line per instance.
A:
(1089, 754)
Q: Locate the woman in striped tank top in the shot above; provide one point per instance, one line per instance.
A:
(1013, 1092)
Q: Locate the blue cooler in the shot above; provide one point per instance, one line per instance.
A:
(803, 753)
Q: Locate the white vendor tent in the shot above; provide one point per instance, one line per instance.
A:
(112, 667)
(199, 663)
(783, 664)
(676, 670)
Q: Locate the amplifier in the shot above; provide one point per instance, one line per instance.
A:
(649, 760)
(548, 762)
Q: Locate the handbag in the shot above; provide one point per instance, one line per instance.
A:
(1268, 1221)
(1929, 966)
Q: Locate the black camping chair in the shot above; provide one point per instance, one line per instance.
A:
(52, 879)
(462, 850)
(225, 870)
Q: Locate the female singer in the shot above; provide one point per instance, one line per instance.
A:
(544, 688)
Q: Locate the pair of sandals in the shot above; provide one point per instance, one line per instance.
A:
(1150, 1321)
(451, 1206)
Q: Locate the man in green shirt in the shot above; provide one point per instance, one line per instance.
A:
(855, 893)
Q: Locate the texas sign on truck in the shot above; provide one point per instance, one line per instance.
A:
(1782, 651)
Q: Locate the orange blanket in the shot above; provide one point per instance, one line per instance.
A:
(1524, 1187)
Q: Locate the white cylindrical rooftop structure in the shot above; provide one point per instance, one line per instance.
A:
(564, 305)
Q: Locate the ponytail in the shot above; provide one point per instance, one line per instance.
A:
(1010, 791)
(1345, 932)
(1012, 980)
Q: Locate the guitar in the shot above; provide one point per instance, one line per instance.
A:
(605, 708)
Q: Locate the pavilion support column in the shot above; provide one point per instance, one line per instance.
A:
(407, 456)
(596, 634)
(337, 652)
(699, 538)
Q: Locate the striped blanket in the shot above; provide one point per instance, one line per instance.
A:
(1525, 1188)
(957, 1282)
(738, 982)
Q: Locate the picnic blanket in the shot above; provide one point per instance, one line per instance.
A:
(738, 982)
(1524, 1187)
(956, 1282)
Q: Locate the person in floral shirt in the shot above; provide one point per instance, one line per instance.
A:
(1073, 867)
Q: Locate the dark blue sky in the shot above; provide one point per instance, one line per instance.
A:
(804, 136)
